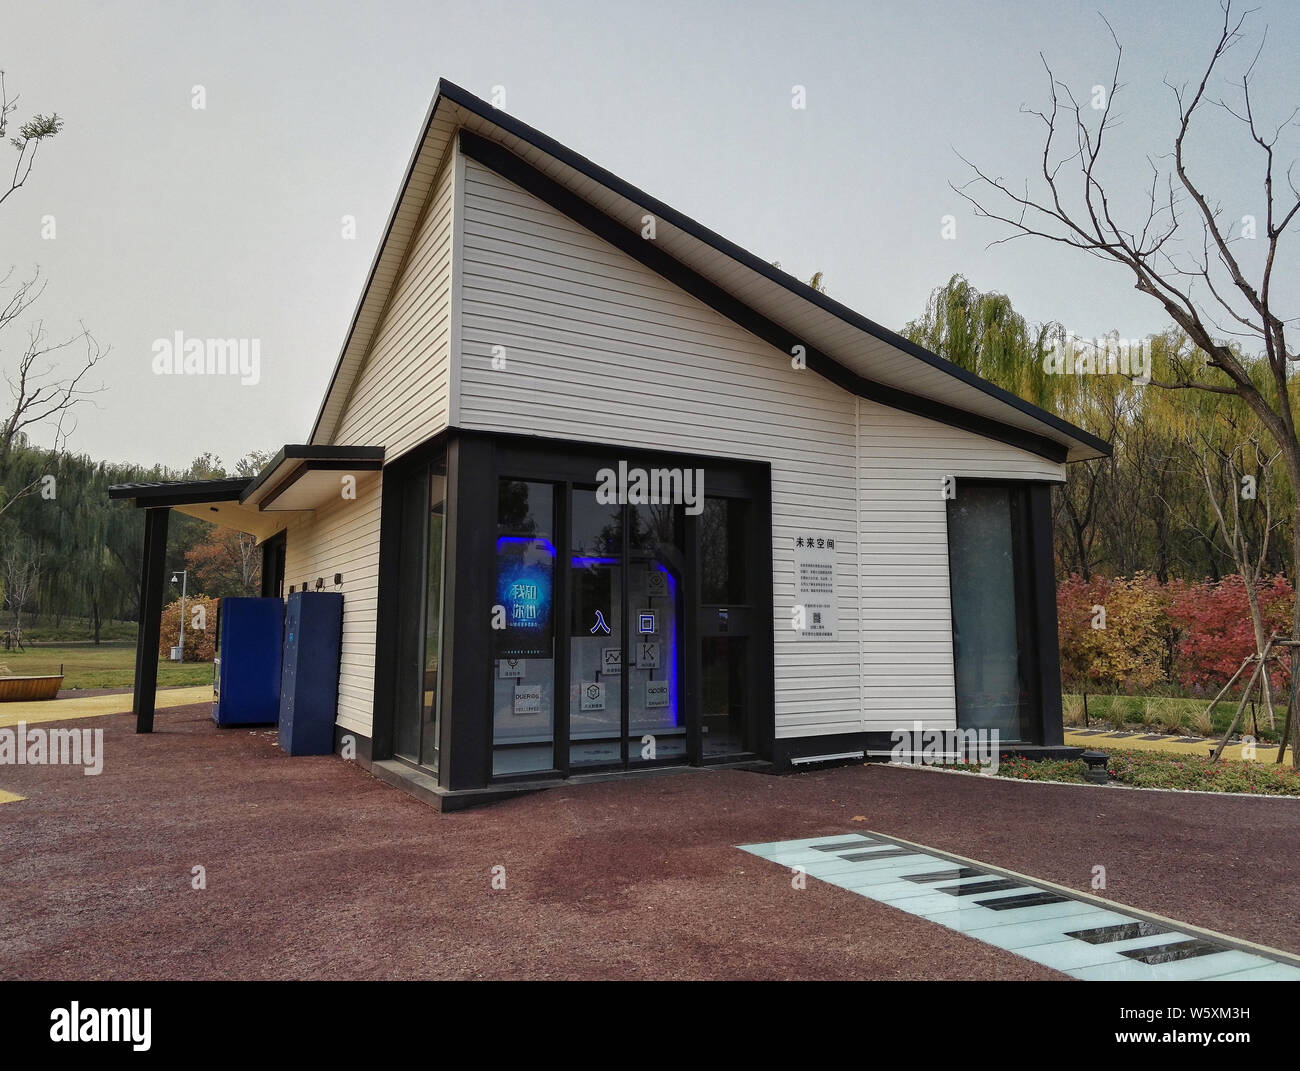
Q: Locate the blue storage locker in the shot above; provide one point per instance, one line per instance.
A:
(246, 669)
(309, 681)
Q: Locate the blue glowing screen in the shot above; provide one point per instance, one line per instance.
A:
(525, 589)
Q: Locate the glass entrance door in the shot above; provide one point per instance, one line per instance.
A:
(625, 572)
(418, 706)
(595, 631)
(724, 628)
(656, 724)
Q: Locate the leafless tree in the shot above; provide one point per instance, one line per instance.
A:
(20, 572)
(1180, 249)
(1226, 469)
(40, 393)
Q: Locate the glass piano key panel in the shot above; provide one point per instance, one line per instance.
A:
(1069, 933)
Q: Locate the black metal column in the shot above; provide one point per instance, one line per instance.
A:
(152, 583)
(468, 593)
(1044, 614)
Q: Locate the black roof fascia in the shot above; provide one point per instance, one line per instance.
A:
(191, 492)
(324, 453)
(505, 163)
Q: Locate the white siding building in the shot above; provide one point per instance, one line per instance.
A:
(869, 547)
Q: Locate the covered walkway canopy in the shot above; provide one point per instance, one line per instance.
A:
(296, 481)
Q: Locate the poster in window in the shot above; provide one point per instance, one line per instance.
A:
(525, 589)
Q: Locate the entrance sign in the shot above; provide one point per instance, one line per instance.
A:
(510, 668)
(656, 693)
(814, 585)
(528, 699)
(593, 695)
(611, 660)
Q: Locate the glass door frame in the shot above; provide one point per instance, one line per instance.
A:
(683, 639)
(567, 465)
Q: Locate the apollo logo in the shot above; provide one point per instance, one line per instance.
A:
(76, 1023)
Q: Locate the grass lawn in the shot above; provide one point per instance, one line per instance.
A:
(110, 665)
(1163, 714)
(1161, 769)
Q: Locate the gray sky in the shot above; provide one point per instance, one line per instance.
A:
(225, 222)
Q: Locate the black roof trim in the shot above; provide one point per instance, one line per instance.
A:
(696, 230)
(298, 451)
(182, 493)
(379, 252)
(498, 158)
(596, 173)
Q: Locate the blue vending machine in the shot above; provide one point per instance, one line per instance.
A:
(246, 669)
(309, 682)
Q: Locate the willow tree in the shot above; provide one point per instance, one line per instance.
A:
(981, 332)
(1180, 247)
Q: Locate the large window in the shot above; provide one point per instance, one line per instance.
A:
(431, 719)
(523, 629)
(992, 609)
(421, 511)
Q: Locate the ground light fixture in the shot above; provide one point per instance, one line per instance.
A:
(1097, 761)
(182, 577)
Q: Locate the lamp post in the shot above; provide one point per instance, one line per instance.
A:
(184, 576)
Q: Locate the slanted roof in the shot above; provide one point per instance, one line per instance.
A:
(297, 480)
(875, 361)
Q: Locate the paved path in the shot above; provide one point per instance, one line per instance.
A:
(314, 869)
(1137, 742)
(93, 706)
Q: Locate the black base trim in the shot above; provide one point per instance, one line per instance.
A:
(877, 747)
(364, 746)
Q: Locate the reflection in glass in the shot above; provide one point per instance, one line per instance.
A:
(595, 631)
(431, 720)
(656, 723)
(985, 560)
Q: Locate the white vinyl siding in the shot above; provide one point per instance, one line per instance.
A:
(343, 537)
(401, 396)
(600, 348)
(400, 399)
(907, 655)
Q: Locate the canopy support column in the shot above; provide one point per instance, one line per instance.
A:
(152, 584)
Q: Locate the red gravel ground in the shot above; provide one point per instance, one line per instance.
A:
(317, 870)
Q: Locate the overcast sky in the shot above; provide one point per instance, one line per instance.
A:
(226, 221)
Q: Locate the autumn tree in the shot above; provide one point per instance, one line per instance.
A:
(227, 562)
(1180, 248)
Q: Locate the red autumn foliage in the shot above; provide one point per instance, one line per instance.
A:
(1215, 632)
(1190, 635)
